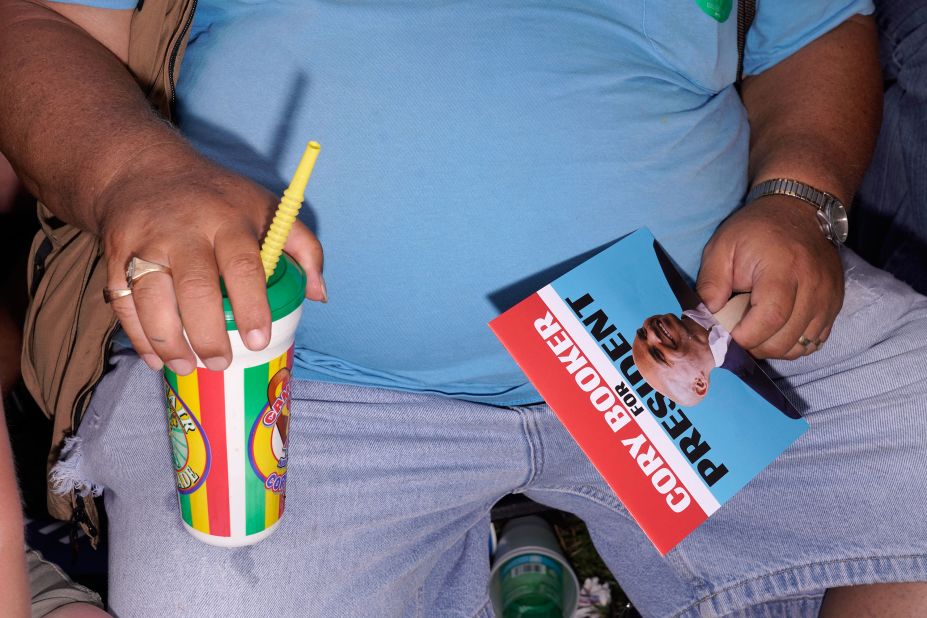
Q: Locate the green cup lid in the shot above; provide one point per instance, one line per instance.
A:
(286, 290)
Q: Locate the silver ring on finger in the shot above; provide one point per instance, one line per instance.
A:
(111, 294)
(138, 268)
(804, 341)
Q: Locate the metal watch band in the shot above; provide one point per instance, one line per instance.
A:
(831, 211)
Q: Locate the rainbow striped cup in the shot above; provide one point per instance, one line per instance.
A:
(229, 430)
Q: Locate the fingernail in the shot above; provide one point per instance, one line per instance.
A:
(216, 363)
(324, 289)
(180, 366)
(256, 339)
(153, 361)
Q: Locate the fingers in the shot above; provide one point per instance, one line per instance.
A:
(819, 329)
(772, 300)
(156, 307)
(125, 311)
(816, 333)
(154, 316)
(305, 248)
(797, 337)
(808, 323)
(822, 338)
(163, 307)
(239, 261)
(199, 301)
(715, 277)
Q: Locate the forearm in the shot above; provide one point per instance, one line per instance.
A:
(815, 116)
(71, 115)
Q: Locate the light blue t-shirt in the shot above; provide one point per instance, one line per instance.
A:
(472, 150)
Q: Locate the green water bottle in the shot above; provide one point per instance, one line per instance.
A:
(532, 587)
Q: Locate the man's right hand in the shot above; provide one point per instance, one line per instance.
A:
(202, 221)
(86, 142)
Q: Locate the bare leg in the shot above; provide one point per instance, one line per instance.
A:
(876, 601)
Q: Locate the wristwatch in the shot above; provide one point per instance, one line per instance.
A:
(832, 214)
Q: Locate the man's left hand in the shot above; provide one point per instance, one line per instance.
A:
(774, 249)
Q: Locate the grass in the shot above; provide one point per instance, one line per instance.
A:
(576, 543)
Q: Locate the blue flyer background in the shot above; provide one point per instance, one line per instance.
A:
(744, 430)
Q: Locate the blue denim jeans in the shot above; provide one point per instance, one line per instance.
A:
(389, 493)
(888, 224)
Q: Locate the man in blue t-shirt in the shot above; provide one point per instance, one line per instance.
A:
(472, 149)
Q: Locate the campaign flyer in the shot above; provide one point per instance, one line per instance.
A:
(671, 411)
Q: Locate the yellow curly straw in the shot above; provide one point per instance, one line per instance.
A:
(287, 210)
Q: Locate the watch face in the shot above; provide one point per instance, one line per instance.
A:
(836, 216)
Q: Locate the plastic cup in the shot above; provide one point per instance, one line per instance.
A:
(531, 577)
(229, 430)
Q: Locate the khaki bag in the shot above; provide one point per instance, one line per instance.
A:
(68, 326)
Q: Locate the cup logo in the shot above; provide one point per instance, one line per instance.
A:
(270, 434)
(189, 444)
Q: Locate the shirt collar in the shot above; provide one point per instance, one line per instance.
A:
(718, 337)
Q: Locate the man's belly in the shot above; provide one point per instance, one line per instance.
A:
(468, 156)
